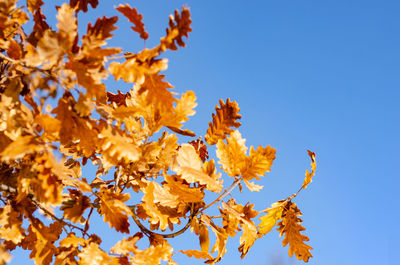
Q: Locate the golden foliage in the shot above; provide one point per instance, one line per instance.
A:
(57, 114)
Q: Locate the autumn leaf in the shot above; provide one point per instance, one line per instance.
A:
(114, 209)
(190, 168)
(93, 255)
(134, 17)
(83, 4)
(270, 220)
(22, 146)
(309, 175)
(258, 163)
(10, 225)
(196, 253)
(179, 26)
(74, 208)
(291, 228)
(232, 155)
(225, 117)
(156, 217)
(153, 255)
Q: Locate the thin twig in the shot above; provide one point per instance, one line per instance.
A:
(56, 218)
(223, 194)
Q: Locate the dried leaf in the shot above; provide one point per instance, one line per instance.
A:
(190, 168)
(232, 155)
(291, 228)
(196, 253)
(308, 178)
(179, 26)
(114, 210)
(133, 16)
(270, 220)
(225, 118)
(259, 162)
(83, 4)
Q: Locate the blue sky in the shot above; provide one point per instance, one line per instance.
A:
(318, 75)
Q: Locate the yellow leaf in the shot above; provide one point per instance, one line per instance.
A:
(190, 168)
(232, 155)
(308, 178)
(269, 221)
(291, 228)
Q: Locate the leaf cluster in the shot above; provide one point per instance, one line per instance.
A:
(44, 147)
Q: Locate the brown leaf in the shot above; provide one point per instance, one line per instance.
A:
(225, 117)
(200, 148)
(83, 4)
(134, 17)
(34, 5)
(14, 50)
(179, 27)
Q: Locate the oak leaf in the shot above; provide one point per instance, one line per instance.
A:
(133, 16)
(179, 26)
(190, 168)
(225, 117)
(291, 228)
(270, 220)
(232, 155)
(114, 209)
(83, 4)
(258, 162)
(93, 255)
(79, 203)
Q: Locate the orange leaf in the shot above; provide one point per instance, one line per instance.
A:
(196, 253)
(291, 228)
(134, 17)
(114, 210)
(190, 168)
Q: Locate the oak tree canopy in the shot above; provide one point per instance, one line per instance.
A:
(57, 116)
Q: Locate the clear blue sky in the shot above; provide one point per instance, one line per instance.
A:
(307, 74)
